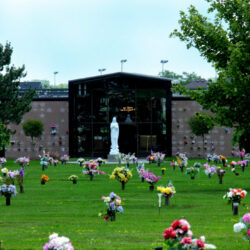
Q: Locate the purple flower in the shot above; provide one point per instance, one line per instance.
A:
(112, 195)
(21, 172)
(112, 205)
(246, 218)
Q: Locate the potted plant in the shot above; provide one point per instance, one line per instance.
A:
(73, 178)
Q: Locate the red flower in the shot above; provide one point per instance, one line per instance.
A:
(200, 244)
(169, 233)
(175, 224)
(184, 228)
(186, 240)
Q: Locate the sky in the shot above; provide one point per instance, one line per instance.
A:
(77, 37)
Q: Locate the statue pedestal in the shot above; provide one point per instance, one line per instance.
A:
(111, 158)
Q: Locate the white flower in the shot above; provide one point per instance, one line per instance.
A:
(202, 238)
(53, 236)
(210, 246)
(238, 227)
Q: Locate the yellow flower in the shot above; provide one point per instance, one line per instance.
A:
(99, 214)
(167, 190)
(112, 177)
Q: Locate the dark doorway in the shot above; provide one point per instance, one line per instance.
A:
(127, 138)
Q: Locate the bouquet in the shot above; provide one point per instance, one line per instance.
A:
(129, 157)
(64, 159)
(220, 172)
(213, 157)
(52, 161)
(100, 161)
(23, 161)
(233, 164)
(121, 174)
(223, 159)
(20, 179)
(56, 243)
(8, 190)
(141, 171)
(2, 161)
(167, 191)
(159, 157)
(91, 168)
(243, 225)
(243, 164)
(113, 203)
(179, 236)
(242, 154)
(235, 195)
(192, 171)
(44, 160)
(4, 171)
(73, 178)
(182, 160)
(151, 179)
(151, 158)
(44, 179)
(163, 170)
(209, 171)
(81, 161)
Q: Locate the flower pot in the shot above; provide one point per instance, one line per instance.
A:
(142, 179)
(91, 177)
(127, 164)
(74, 181)
(43, 167)
(21, 189)
(151, 187)
(163, 172)
(243, 168)
(173, 167)
(209, 176)
(43, 182)
(220, 179)
(7, 196)
(167, 201)
(158, 248)
(182, 168)
(159, 163)
(123, 185)
(235, 208)
(192, 177)
(112, 217)
(4, 174)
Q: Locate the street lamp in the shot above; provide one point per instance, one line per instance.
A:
(122, 62)
(101, 70)
(56, 72)
(163, 62)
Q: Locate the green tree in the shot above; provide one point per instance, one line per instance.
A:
(201, 124)
(184, 78)
(4, 136)
(224, 43)
(33, 128)
(13, 105)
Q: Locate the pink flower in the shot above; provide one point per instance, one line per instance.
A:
(190, 233)
(206, 165)
(172, 164)
(185, 223)
(200, 244)
(248, 232)
(186, 241)
(175, 224)
(169, 233)
(246, 218)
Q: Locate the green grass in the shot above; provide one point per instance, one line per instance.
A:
(72, 210)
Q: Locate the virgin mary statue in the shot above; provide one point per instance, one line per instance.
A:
(114, 131)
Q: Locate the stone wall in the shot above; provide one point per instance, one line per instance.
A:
(217, 141)
(49, 112)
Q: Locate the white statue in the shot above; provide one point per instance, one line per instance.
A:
(114, 131)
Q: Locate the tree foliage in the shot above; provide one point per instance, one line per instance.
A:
(201, 124)
(225, 43)
(4, 136)
(184, 78)
(33, 128)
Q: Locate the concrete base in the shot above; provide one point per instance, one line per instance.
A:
(111, 158)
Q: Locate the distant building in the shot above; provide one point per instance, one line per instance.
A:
(203, 83)
(32, 85)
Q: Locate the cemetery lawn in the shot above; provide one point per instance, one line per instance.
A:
(71, 210)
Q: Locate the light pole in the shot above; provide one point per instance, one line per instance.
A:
(101, 70)
(163, 62)
(56, 72)
(122, 62)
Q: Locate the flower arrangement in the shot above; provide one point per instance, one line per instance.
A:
(20, 179)
(242, 154)
(151, 179)
(141, 172)
(151, 158)
(243, 164)
(4, 171)
(159, 157)
(64, 159)
(220, 172)
(234, 196)
(13, 174)
(192, 171)
(121, 174)
(53, 161)
(113, 203)
(2, 161)
(179, 236)
(209, 171)
(118, 157)
(182, 160)
(44, 179)
(100, 161)
(81, 161)
(128, 158)
(233, 164)
(23, 161)
(223, 159)
(163, 170)
(244, 225)
(44, 160)
(8, 191)
(167, 192)
(213, 157)
(56, 242)
(73, 178)
(174, 164)
(91, 168)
